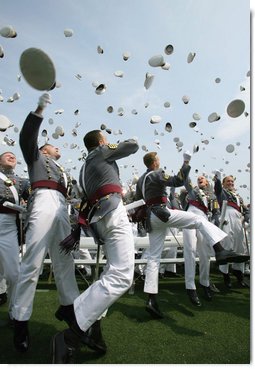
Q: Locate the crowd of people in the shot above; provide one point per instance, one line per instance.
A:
(197, 212)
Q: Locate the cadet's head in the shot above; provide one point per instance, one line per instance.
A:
(202, 182)
(51, 151)
(8, 160)
(228, 183)
(151, 160)
(93, 139)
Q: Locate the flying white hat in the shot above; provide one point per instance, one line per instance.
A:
(148, 80)
(192, 124)
(191, 57)
(168, 127)
(185, 99)
(156, 61)
(4, 123)
(169, 49)
(119, 73)
(195, 149)
(126, 55)
(230, 148)
(1, 52)
(8, 32)
(100, 50)
(196, 116)
(16, 96)
(165, 66)
(213, 117)
(155, 119)
(100, 89)
(235, 108)
(38, 69)
(68, 32)
(110, 109)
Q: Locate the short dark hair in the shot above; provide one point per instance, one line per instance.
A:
(6, 152)
(149, 158)
(225, 178)
(43, 146)
(92, 138)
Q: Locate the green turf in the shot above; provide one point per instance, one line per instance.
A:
(216, 333)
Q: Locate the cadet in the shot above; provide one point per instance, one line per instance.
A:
(47, 224)
(151, 187)
(201, 201)
(99, 178)
(13, 189)
(236, 212)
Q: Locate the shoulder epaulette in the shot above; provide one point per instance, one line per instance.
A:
(112, 146)
(165, 176)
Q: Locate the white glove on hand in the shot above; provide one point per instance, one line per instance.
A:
(218, 174)
(187, 156)
(44, 100)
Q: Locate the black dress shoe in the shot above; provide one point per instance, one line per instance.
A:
(61, 353)
(172, 274)
(66, 313)
(3, 298)
(207, 292)
(240, 278)
(21, 335)
(193, 297)
(227, 280)
(93, 338)
(228, 256)
(213, 288)
(153, 308)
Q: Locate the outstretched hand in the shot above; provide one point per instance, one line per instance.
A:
(44, 99)
(187, 156)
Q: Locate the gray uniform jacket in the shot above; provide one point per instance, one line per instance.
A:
(157, 182)
(201, 198)
(100, 169)
(155, 187)
(21, 185)
(233, 199)
(40, 166)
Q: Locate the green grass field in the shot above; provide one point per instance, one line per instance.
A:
(216, 333)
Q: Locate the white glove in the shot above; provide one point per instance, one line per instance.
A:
(218, 174)
(44, 100)
(187, 156)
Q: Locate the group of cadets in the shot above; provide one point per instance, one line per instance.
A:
(102, 214)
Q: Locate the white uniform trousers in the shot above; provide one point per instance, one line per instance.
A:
(48, 224)
(177, 219)
(116, 231)
(193, 244)
(169, 252)
(3, 286)
(235, 240)
(9, 254)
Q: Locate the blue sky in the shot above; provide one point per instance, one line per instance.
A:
(218, 31)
